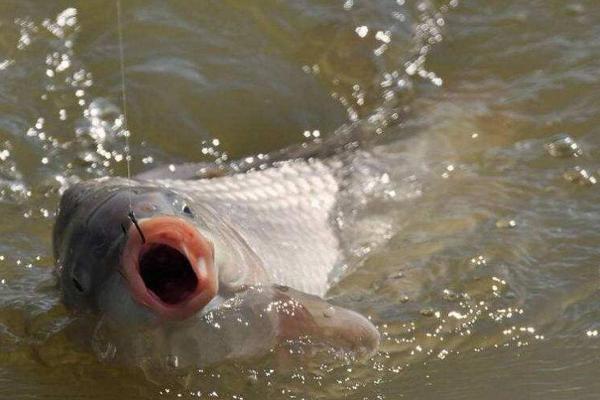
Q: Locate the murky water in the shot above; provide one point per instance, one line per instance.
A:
(470, 220)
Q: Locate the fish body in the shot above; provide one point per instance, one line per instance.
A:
(249, 254)
(283, 214)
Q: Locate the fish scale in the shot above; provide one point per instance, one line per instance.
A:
(283, 213)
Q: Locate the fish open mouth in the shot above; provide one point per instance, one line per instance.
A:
(167, 273)
(170, 269)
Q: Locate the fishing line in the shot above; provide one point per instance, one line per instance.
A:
(125, 126)
(124, 95)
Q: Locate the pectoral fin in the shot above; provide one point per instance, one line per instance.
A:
(254, 321)
(304, 315)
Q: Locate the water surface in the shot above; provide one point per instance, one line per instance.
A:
(470, 221)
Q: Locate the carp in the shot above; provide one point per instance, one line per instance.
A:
(221, 267)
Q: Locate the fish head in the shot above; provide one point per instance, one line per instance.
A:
(133, 252)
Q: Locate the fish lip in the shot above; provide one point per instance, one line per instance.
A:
(179, 234)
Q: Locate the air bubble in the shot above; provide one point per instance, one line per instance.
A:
(563, 146)
(580, 176)
(506, 223)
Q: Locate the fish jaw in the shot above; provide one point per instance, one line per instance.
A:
(169, 267)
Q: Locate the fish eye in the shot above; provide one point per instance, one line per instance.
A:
(78, 285)
(186, 210)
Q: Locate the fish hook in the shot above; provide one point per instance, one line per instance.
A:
(134, 221)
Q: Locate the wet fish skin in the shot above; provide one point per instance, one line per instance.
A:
(283, 213)
(93, 230)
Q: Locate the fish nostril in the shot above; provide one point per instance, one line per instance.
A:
(146, 207)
